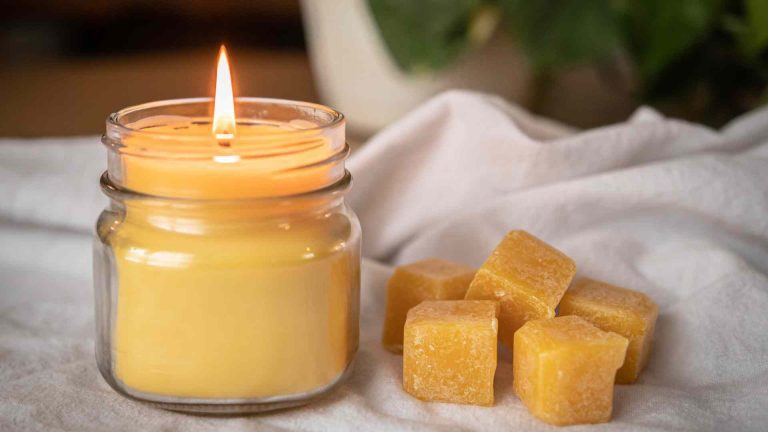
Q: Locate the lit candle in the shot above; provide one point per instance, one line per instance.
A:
(217, 159)
(232, 264)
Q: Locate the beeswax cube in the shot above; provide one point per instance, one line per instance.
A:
(431, 279)
(449, 353)
(564, 369)
(527, 276)
(620, 310)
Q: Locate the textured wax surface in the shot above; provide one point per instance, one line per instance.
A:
(429, 279)
(527, 276)
(629, 313)
(564, 369)
(449, 352)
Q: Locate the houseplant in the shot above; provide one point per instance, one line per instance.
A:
(701, 59)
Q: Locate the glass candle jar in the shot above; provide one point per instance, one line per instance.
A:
(226, 269)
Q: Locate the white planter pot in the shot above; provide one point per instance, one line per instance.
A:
(355, 73)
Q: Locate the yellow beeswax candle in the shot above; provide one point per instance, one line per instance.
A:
(228, 265)
(236, 300)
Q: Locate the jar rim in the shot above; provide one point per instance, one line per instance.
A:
(278, 138)
(115, 120)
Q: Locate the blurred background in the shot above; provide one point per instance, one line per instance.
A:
(66, 64)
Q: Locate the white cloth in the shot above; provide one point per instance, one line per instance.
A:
(673, 209)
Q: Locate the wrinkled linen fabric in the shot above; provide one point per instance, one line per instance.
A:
(673, 209)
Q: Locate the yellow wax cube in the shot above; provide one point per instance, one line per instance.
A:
(449, 353)
(431, 279)
(527, 276)
(564, 369)
(620, 310)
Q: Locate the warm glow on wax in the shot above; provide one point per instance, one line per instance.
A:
(224, 101)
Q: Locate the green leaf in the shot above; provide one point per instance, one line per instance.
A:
(756, 35)
(661, 30)
(559, 33)
(424, 34)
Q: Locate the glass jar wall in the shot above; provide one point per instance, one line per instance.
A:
(226, 274)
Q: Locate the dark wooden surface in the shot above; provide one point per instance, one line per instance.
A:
(74, 96)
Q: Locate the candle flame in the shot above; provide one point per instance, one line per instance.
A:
(224, 101)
